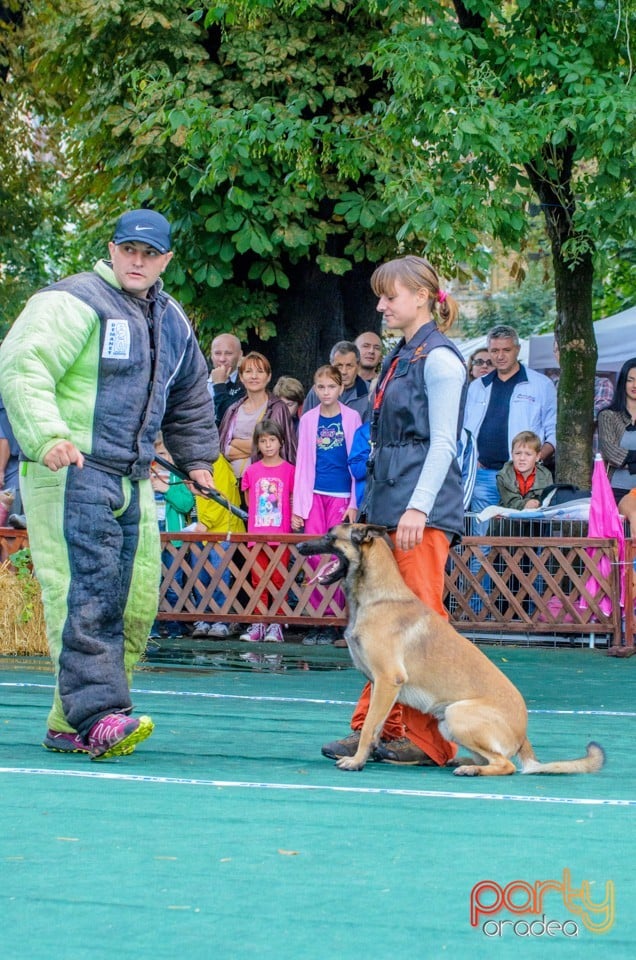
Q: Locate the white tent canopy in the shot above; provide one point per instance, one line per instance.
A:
(615, 338)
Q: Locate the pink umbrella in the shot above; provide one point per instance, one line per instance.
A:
(605, 522)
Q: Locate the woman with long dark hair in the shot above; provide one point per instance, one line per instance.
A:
(617, 440)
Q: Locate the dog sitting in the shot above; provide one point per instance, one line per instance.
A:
(412, 655)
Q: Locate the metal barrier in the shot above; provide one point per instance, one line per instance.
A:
(558, 584)
(536, 528)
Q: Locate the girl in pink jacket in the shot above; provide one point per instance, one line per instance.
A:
(324, 490)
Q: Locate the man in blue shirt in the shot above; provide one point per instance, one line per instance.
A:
(499, 406)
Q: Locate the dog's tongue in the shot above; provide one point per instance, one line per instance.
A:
(323, 571)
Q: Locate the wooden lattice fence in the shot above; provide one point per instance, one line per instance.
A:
(494, 585)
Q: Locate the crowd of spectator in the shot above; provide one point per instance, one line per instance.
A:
(505, 446)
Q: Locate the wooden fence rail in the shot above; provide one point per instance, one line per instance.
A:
(510, 585)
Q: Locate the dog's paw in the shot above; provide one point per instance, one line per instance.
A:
(467, 771)
(349, 763)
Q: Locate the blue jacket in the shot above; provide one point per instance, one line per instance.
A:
(359, 458)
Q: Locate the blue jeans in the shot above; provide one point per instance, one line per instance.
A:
(485, 494)
(214, 559)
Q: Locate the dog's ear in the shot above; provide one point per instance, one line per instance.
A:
(357, 534)
(365, 533)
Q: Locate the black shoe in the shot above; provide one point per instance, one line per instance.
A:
(403, 752)
(346, 747)
(17, 520)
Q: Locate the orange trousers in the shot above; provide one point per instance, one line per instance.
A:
(423, 571)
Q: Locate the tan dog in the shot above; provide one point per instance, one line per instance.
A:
(413, 655)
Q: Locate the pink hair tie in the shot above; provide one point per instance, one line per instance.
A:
(441, 296)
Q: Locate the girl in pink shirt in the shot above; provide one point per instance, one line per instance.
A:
(267, 485)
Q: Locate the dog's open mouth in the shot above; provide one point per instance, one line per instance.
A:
(328, 572)
(335, 568)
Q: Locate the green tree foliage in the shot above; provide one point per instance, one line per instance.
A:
(615, 277)
(254, 129)
(36, 241)
(513, 101)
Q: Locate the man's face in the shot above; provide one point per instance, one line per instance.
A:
(226, 353)
(137, 266)
(503, 353)
(370, 347)
(347, 364)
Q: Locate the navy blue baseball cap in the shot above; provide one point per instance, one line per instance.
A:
(145, 226)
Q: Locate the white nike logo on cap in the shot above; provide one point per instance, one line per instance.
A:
(142, 228)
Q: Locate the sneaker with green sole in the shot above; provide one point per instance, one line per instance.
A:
(117, 735)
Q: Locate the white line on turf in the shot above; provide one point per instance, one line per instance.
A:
(315, 788)
(208, 695)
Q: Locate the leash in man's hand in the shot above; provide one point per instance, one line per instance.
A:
(207, 492)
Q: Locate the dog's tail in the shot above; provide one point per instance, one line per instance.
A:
(592, 762)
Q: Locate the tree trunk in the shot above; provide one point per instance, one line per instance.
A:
(317, 311)
(574, 331)
(550, 176)
(359, 301)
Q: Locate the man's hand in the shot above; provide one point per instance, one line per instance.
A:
(410, 529)
(220, 374)
(202, 477)
(63, 454)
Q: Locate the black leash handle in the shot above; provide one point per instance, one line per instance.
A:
(204, 491)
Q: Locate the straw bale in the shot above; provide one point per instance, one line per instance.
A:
(22, 626)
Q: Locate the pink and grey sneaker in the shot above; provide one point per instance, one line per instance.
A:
(64, 742)
(117, 735)
(274, 634)
(254, 633)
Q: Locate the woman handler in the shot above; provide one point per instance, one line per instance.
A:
(414, 486)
